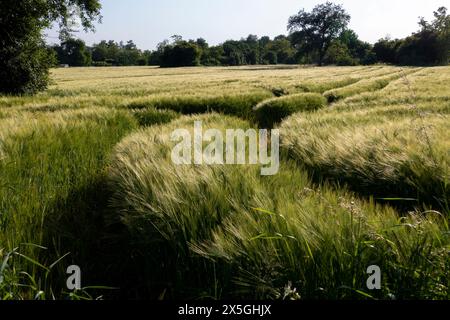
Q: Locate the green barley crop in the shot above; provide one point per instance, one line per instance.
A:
(86, 178)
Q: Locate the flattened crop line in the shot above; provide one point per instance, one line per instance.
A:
(367, 69)
(375, 73)
(315, 87)
(366, 85)
(139, 76)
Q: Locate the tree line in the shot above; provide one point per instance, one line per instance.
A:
(428, 46)
(317, 37)
(347, 49)
(178, 52)
(320, 37)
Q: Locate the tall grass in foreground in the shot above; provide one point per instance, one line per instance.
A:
(227, 232)
(161, 231)
(50, 169)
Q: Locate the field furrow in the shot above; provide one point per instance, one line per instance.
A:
(86, 177)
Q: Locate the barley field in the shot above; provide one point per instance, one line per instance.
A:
(86, 178)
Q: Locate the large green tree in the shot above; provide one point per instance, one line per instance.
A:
(179, 53)
(316, 30)
(24, 59)
(74, 53)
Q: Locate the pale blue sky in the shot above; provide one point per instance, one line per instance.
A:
(148, 22)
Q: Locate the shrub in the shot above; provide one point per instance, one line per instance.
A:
(273, 111)
(428, 46)
(424, 49)
(74, 52)
(24, 59)
(25, 69)
(180, 54)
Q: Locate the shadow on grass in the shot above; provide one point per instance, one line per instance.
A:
(399, 194)
(77, 226)
(110, 256)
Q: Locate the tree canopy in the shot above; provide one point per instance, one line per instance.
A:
(24, 59)
(317, 29)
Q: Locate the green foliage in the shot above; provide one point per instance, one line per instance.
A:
(235, 53)
(74, 53)
(339, 54)
(128, 54)
(273, 111)
(212, 56)
(180, 54)
(105, 51)
(247, 51)
(24, 61)
(317, 29)
(386, 50)
(270, 57)
(428, 46)
(422, 49)
(24, 68)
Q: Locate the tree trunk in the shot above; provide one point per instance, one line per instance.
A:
(321, 56)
